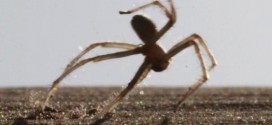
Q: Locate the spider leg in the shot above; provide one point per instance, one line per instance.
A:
(181, 46)
(140, 75)
(190, 91)
(102, 44)
(171, 15)
(83, 62)
(171, 21)
(210, 53)
(155, 2)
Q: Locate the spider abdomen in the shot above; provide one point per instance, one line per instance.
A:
(160, 66)
(144, 27)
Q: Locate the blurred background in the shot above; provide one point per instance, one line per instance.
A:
(39, 38)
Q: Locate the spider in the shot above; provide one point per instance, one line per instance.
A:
(156, 58)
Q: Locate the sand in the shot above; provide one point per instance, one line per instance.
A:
(18, 106)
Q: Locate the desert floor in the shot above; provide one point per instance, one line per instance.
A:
(19, 106)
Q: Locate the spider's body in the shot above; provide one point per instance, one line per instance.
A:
(153, 55)
(147, 32)
(156, 58)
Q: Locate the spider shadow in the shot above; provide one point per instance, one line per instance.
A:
(20, 121)
(100, 121)
(165, 121)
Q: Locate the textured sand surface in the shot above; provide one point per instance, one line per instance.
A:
(144, 106)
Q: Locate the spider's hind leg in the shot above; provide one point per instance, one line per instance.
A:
(190, 41)
(139, 76)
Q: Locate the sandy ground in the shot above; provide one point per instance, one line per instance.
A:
(18, 106)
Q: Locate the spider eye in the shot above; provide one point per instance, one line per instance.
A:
(144, 28)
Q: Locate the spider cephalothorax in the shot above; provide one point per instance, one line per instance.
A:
(156, 58)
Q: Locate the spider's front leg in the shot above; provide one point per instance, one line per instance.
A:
(155, 2)
(171, 15)
(190, 41)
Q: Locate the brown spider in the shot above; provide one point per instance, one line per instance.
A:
(156, 58)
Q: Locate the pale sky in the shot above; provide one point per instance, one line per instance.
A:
(38, 39)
